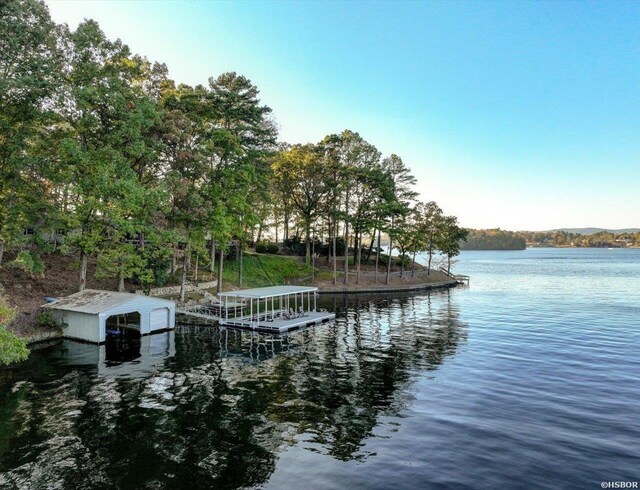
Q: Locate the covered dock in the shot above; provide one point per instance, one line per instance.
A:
(275, 308)
(90, 314)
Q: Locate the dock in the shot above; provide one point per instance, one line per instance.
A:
(275, 308)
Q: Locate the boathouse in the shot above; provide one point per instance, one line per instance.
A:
(274, 308)
(90, 313)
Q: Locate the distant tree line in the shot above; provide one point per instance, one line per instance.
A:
(496, 239)
(103, 155)
(565, 239)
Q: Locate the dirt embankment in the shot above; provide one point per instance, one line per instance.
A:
(27, 292)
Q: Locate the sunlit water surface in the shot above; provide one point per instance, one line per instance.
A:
(528, 378)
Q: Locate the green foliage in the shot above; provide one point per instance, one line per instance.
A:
(28, 261)
(493, 240)
(450, 237)
(561, 238)
(267, 247)
(30, 68)
(295, 246)
(98, 141)
(46, 319)
(12, 348)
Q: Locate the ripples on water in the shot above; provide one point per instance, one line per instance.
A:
(529, 378)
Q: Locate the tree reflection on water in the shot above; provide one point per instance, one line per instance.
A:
(214, 407)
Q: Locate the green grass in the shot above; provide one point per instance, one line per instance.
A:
(265, 270)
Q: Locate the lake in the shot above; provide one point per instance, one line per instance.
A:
(528, 378)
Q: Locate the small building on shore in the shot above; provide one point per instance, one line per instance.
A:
(90, 314)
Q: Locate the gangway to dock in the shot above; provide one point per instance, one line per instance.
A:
(211, 311)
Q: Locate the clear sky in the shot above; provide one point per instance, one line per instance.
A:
(512, 114)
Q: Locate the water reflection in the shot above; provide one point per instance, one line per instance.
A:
(214, 407)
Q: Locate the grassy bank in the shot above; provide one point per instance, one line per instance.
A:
(265, 270)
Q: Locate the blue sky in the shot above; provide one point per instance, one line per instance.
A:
(519, 115)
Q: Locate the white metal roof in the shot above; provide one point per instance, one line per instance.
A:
(96, 301)
(268, 292)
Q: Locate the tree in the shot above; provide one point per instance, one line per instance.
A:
(356, 155)
(368, 184)
(330, 147)
(302, 168)
(107, 137)
(398, 198)
(449, 238)
(30, 67)
(241, 138)
(429, 217)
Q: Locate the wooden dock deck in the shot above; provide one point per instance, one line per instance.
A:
(279, 324)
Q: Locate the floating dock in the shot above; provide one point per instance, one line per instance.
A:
(274, 309)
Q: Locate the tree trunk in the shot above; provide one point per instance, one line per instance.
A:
(83, 270)
(373, 241)
(389, 261)
(183, 279)
(402, 264)
(307, 254)
(346, 239)
(121, 281)
(195, 278)
(448, 264)
(212, 259)
(240, 264)
(1, 250)
(286, 225)
(358, 255)
(335, 259)
(377, 257)
(220, 269)
(413, 264)
(259, 233)
(174, 260)
(313, 257)
(430, 255)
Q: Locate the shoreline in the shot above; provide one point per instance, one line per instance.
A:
(368, 289)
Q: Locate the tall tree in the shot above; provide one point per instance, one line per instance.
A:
(302, 167)
(429, 217)
(30, 67)
(329, 147)
(106, 119)
(398, 200)
(449, 238)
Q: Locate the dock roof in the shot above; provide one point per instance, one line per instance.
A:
(268, 292)
(96, 301)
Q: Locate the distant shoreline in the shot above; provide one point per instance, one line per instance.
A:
(544, 246)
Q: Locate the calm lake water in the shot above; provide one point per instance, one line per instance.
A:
(528, 378)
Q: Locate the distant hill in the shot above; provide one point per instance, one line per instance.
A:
(593, 231)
